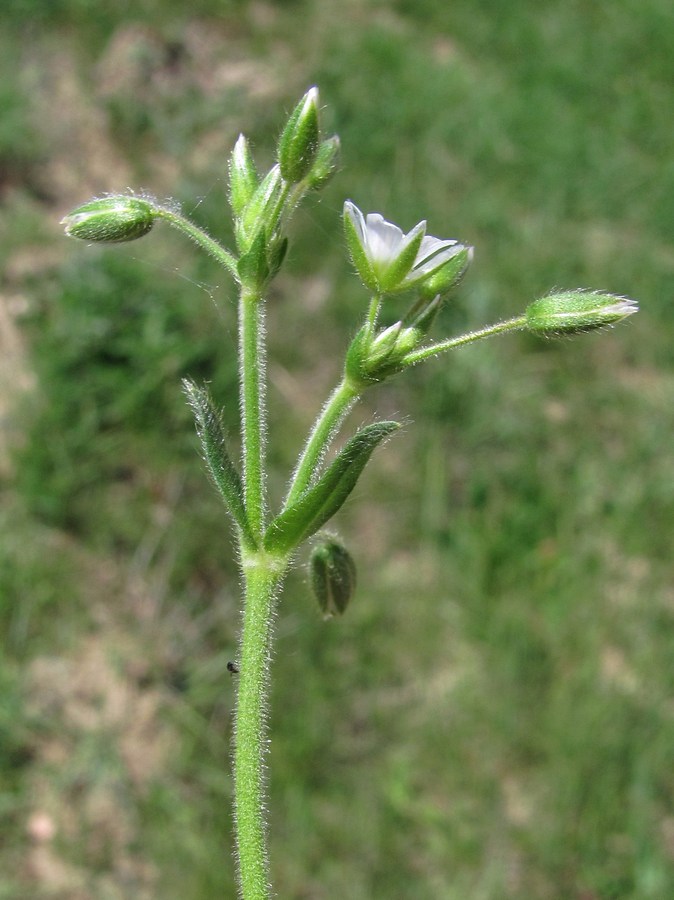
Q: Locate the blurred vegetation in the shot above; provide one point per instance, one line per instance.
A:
(493, 717)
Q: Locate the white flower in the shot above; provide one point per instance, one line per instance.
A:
(388, 260)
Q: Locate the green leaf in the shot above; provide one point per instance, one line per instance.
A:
(218, 462)
(320, 502)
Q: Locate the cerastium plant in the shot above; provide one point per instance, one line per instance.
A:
(389, 263)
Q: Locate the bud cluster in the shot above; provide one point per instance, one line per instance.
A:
(262, 206)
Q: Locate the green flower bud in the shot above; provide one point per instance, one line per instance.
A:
(333, 576)
(110, 219)
(326, 163)
(371, 360)
(575, 312)
(298, 144)
(243, 177)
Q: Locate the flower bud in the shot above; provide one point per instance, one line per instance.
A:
(575, 312)
(333, 576)
(110, 219)
(298, 144)
(326, 163)
(371, 360)
(243, 177)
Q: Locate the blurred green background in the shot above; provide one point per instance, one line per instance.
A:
(493, 718)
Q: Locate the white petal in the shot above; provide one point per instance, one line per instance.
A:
(430, 246)
(383, 239)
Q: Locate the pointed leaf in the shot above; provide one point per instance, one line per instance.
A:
(320, 502)
(218, 462)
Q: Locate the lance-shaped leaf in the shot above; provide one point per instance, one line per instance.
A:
(320, 502)
(218, 462)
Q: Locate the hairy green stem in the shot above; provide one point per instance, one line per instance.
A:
(200, 237)
(252, 362)
(333, 414)
(426, 352)
(373, 312)
(262, 577)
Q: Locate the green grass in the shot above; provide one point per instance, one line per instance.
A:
(492, 717)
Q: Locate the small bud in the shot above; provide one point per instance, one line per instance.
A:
(326, 163)
(575, 312)
(243, 177)
(298, 144)
(383, 344)
(110, 219)
(333, 576)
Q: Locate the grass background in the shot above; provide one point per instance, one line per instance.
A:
(493, 717)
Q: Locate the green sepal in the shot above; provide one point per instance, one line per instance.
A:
(398, 268)
(423, 313)
(298, 144)
(326, 163)
(243, 176)
(218, 461)
(261, 211)
(448, 276)
(355, 368)
(319, 503)
(253, 267)
(357, 252)
(277, 254)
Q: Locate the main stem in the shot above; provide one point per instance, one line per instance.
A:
(251, 361)
(261, 578)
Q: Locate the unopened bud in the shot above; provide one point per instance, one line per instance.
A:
(575, 312)
(326, 163)
(333, 576)
(110, 219)
(298, 144)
